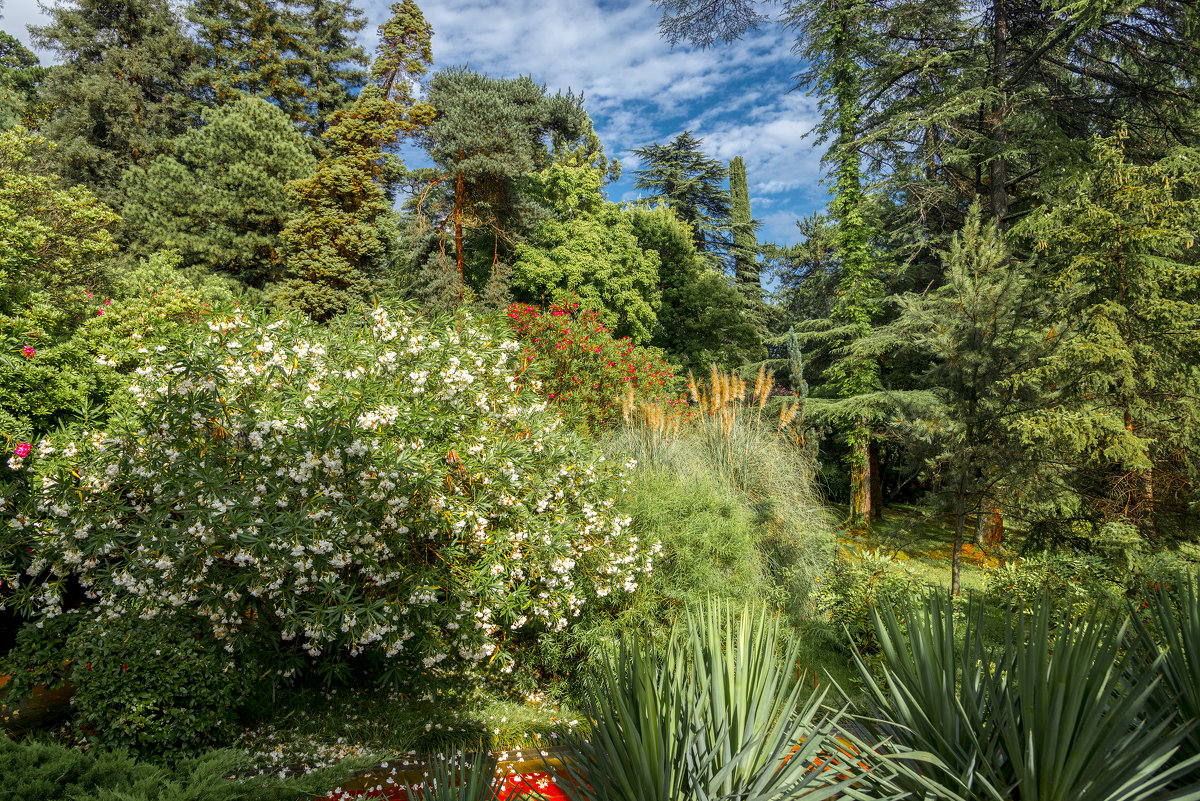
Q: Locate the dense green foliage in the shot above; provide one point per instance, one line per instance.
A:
(220, 196)
(281, 415)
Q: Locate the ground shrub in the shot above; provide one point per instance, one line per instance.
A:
(378, 486)
(747, 533)
(582, 369)
(857, 583)
(161, 688)
(41, 771)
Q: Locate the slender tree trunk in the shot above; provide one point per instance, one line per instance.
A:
(960, 526)
(999, 134)
(876, 478)
(860, 479)
(458, 232)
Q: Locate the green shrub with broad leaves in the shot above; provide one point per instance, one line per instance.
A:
(380, 486)
(856, 584)
(162, 688)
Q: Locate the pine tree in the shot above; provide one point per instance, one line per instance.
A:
(220, 197)
(990, 321)
(404, 53)
(680, 174)
(488, 134)
(117, 98)
(745, 243)
(344, 228)
(20, 75)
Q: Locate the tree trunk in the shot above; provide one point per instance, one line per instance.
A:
(458, 232)
(860, 482)
(999, 176)
(876, 478)
(960, 525)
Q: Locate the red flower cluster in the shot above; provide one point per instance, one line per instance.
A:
(582, 368)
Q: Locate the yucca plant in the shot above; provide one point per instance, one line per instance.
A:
(1061, 712)
(718, 715)
(459, 778)
(1175, 612)
(934, 696)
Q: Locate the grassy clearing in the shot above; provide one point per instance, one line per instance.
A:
(925, 545)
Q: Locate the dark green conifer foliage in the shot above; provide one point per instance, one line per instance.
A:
(405, 51)
(1126, 419)
(118, 98)
(830, 42)
(20, 75)
(336, 65)
(989, 322)
(220, 197)
(344, 228)
(488, 133)
(251, 47)
(745, 243)
(680, 174)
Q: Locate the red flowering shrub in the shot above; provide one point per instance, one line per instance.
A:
(583, 370)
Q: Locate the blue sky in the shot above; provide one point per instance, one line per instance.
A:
(637, 89)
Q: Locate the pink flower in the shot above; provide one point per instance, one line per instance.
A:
(22, 450)
(28, 352)
(107, 302)
(99, 311)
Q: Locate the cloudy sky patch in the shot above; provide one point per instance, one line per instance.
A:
(637, 89)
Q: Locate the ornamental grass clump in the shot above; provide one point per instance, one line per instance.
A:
(380, 486)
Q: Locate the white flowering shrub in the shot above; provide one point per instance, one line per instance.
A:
(379, 486)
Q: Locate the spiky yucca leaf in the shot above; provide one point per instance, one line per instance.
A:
(719, 716)
(1075, 715)
(1061, 713)
(457, 778)
(1177, 615)
(934, 697)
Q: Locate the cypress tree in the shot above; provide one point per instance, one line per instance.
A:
(745, 243)
(117, 99)
(20, 75)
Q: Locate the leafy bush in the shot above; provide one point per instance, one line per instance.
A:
(572, 357)
(1071, 581)
(381, 485)
(161, 687)
(856, 584)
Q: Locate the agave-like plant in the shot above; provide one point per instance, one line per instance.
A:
(1177, 618)
(1062, 712)
(718, 715)
(934, 697)
(459, 778)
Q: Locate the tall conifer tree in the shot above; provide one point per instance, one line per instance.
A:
(745, 243)
(692, 183)
(118, 98)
